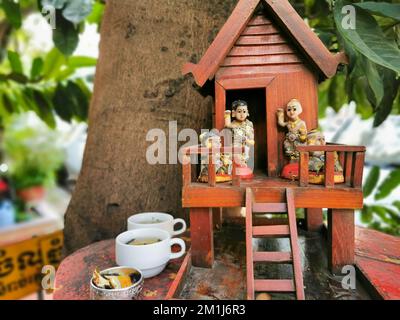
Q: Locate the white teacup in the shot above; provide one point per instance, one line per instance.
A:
(151, 259)
(156, 220)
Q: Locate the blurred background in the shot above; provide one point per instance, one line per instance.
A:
(46, 82)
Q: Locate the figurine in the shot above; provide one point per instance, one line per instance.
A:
(316, 163)
(243, 135)
(297, 129)
(223, 163)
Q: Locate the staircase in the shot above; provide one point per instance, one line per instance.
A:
(277, 231)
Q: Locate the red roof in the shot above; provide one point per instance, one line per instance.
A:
(289, 21)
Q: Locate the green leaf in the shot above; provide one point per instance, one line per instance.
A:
(387, 186)
(7, 103)
(45, 108)
(374, 80)
(76, 11)
(79, 100)
(372, 181)
(367, 38)
(397, 204)
(37, 68)
(97, 13)
(30, 100)
(62, 103)
(366, 214)
(337, 93)
(65, 36)
(53, 63)
(81, 62)
(391, 86)
(71, 101)
(13, 12)
(383, 9)
(15, 62)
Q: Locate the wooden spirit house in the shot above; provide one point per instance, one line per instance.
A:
(267, 55)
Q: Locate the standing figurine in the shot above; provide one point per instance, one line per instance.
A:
(297, 129)
(243, 135)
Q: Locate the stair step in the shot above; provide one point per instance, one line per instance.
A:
(269, 208)
(272, 257)
(272, 231)
(274, 286)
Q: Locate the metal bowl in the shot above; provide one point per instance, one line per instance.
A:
(129, 293)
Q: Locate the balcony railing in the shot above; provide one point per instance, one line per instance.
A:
(350, 157)
(211, 152)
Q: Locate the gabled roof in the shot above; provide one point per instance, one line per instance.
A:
(287, 18)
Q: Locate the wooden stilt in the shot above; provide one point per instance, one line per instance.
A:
(201, 229)
(314, 219)
(340, 238)
(217, 218)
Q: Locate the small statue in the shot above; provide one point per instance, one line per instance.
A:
(223, 164)
(243, 135)
(316, 163)
(297, 129)
(317, 158)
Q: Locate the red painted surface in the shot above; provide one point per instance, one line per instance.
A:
(74, 274)
(378, 258)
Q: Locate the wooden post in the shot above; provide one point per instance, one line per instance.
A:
(348, 170)
(329, 169)
(217, 218)
(186, 170)
(220, 106)
(211, 169)
(303, 170)
(340, 239)
(358, 169)
(201, 230)
(314, 219)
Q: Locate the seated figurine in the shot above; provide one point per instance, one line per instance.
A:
(316, 163)
(243, 135)
(223, 164)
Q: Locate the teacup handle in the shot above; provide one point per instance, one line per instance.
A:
(181, 230)
(181, 243)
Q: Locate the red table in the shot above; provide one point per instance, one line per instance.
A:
(74, 274)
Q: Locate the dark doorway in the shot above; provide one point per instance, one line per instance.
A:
(256, 100)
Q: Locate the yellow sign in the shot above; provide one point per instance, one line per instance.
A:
(21, 264)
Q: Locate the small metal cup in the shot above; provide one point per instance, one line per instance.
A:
(129, 293)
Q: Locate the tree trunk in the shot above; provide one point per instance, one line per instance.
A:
(139, 87)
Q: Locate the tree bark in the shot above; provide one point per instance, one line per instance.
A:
(138, 87)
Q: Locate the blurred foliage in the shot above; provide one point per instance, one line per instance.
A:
(372, 77)
(385, 218)
(46, 83)
(32, 151)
